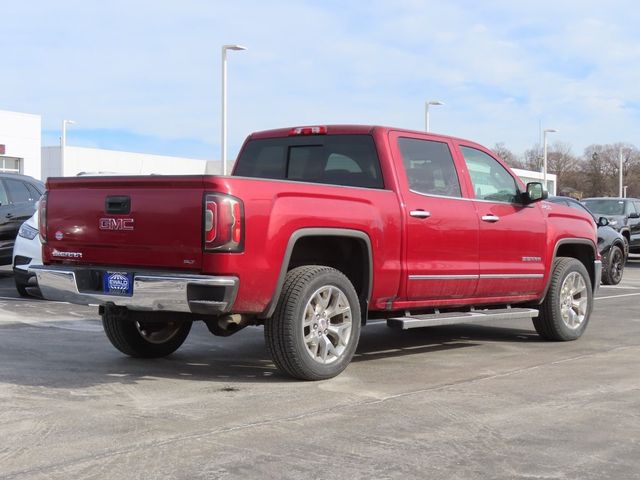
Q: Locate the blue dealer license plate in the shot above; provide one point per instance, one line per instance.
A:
(117, 283)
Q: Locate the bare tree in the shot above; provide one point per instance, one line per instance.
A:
(603, 169)
(595, 173)
(533, 158)
(562, 162)
(507, 155)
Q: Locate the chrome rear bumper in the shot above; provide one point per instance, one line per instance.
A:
(152, 291)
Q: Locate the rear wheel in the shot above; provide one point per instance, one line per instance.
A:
(614, 268)
(565, 311)
(139, 336)
(314, 331)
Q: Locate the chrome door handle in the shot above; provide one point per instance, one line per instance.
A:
(420, 213)
(490, 218)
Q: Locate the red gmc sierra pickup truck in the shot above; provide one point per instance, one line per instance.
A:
(317, 230)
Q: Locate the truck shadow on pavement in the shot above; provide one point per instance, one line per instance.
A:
(36, 355)
(388, 342)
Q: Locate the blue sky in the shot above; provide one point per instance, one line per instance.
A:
(145, 75)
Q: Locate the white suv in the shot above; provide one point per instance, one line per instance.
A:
(27, 251)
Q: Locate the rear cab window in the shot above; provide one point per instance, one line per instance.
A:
(347, 160)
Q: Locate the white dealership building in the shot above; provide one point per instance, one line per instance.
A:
(21, 152)
(20, 135)
(93, 160)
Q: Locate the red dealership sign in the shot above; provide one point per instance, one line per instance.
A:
(2, 149)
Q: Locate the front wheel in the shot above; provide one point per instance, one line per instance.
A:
(314, 331)
(141, 336)
(565, 311)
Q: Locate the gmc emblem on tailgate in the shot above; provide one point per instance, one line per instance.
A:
(116, 224)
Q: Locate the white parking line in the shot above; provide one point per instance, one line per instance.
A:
(620, 287)
(618, 296)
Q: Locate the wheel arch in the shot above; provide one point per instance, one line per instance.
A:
(582, 250)
(619, 243)
(319, 246)
(625, 232)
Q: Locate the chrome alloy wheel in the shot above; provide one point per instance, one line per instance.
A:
(574, 300)
(326, 324)
(157, 332)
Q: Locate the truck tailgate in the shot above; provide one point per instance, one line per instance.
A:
(147, 221)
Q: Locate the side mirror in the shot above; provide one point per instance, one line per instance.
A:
(603, 221)
(535, 192)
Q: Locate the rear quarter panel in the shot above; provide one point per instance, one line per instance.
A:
(275, 209)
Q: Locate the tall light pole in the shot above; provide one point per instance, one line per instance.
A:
(544, 154)
(63, 141)
(224, 103)
(426, 112)
(620, 179)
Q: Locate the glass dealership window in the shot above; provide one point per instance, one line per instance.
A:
(10, 164)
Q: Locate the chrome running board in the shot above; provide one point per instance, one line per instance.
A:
(452, 318)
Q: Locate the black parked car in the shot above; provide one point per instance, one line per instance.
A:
(611, 243)
(623, 215)
(18, 197)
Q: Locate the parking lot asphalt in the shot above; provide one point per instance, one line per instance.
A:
(456, 402)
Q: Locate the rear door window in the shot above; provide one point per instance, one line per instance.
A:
(429, 167)
(349, 160)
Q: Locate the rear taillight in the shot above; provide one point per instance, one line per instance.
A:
(223, 223)
(42, 218)
(210, 221)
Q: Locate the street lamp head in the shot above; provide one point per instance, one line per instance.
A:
(233, 47)
(69, 122)
(550, 130)
(435, 102)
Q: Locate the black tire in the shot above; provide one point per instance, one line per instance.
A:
(613, 269)
(285, 332)
(21, 287)
(138, 338)
(550, 323)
